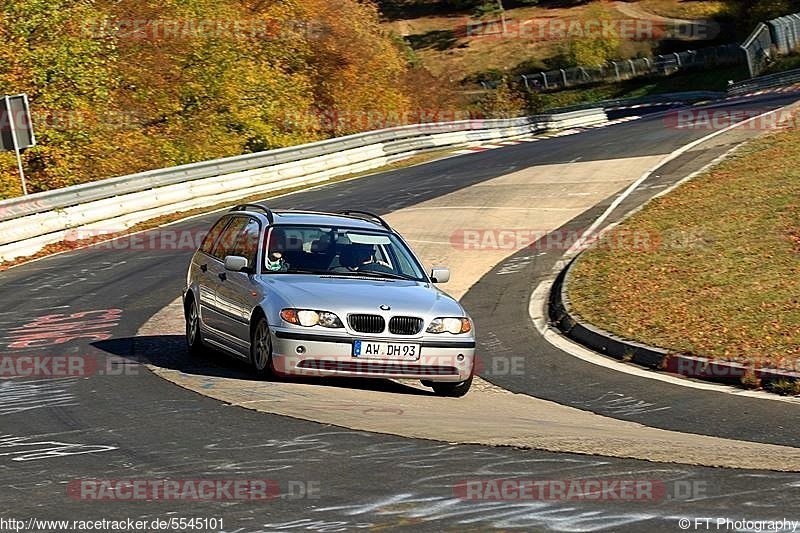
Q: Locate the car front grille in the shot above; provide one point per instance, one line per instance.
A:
(367, 323)
(405, 325)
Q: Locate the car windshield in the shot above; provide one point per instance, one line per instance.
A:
(335, 251)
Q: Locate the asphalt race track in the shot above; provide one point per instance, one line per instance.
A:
(123, 422)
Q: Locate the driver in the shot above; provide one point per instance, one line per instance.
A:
(356, 257)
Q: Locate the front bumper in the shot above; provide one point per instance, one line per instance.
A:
(332, 355)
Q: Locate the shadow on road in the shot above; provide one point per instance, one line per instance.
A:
(169, 351)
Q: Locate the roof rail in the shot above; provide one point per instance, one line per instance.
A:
(256, 207)
(368, 214)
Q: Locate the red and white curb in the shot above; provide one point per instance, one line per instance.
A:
(499, 144)
(640, 106)
(777, 90)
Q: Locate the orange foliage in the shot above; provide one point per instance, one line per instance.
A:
(118, 87)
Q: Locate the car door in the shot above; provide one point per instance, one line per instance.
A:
(237, 292)
(217, 310)
(206, 269)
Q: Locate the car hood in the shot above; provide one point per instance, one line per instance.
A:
(343, 295)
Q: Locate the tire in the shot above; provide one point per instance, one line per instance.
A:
(452, 390)
(261, 349)
(194, 337)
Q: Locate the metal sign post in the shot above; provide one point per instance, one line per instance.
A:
(19, 135)
(15, 143)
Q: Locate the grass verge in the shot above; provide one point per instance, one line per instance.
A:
(685, 10)
(721, 278)
(783, 63)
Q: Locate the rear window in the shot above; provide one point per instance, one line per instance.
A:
(227, 241)
(211, 238)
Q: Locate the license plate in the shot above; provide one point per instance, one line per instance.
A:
(385, 350)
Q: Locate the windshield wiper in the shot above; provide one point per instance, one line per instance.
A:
(372, 274)
(307, 271)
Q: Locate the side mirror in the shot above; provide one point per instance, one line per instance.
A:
(440, 275)
(235, 263)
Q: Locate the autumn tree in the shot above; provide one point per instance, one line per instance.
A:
(121, 86)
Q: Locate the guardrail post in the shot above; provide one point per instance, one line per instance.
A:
(633, 67)
(616, 70)
(788, 30)
(544, 79)
(678, 59)
(796, 29)
(564, 77)
(751, 68)
(525, 81)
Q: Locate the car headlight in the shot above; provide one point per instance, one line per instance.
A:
(308, 318)
(450, 325)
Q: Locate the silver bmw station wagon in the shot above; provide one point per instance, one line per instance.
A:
(320, 294)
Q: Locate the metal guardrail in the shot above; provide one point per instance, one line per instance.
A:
(687, 97)
(770, 81)
(98, 190)
(758, 49)
(780, 36)
(786, 33)
(662, 65)
(29, 223)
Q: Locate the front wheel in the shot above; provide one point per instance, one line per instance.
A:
(261, 349)
(194, 339)
(451, 390)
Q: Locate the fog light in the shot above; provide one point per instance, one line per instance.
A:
(300, 349)
(460, 357)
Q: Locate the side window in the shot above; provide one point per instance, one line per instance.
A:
(226, 241)
(211, 238)
(246, 244)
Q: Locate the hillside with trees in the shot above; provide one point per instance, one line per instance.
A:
(479, 40)
(122, 86)
(118, 87)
